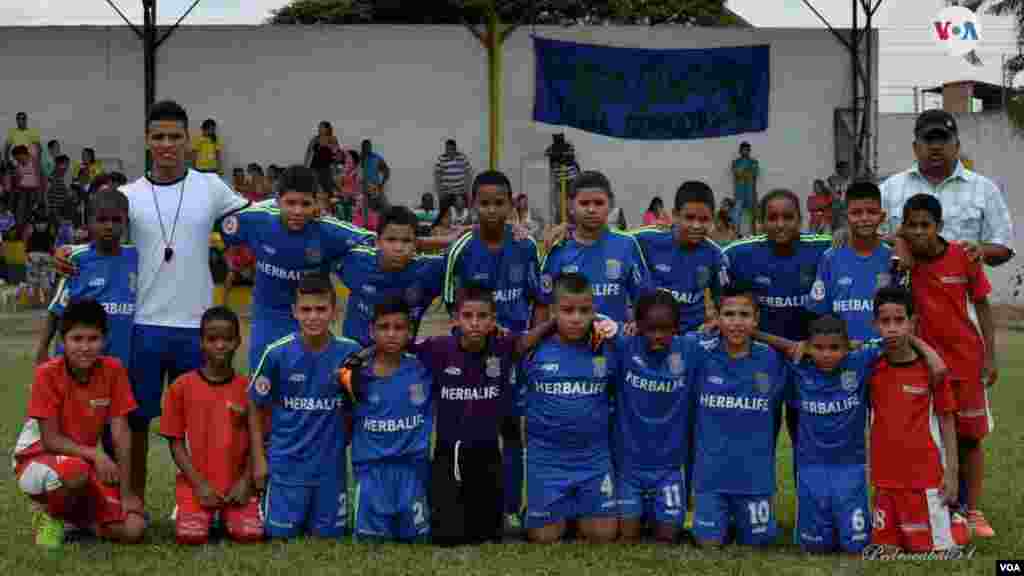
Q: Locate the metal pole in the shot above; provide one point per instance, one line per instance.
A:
(855, 124)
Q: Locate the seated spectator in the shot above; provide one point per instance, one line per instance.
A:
(655, 214)
(442, 224)
(57, 191)
(526, 218)
(425, 212)
(819, 209)
(370, 223)
(725, 231)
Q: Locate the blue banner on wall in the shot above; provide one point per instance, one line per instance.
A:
(643, 94)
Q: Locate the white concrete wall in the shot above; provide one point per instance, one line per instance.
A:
(407, 88)
(996, 151)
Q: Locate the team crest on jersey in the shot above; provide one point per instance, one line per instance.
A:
(416, 395)
(453, 371)
(262, 385)
(807, 274)
(493, 366)
(230, 225)
(546, 283)
(413, 294)
(613, 269)
(818, 290)
(600, 367)
(762, 382)
(848, 381)
(882, 280)
(312, 255)
(675, 363)
(515, 273)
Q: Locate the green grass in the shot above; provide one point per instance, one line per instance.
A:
(1003, 503)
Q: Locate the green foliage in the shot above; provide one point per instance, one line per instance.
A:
(1013, 66)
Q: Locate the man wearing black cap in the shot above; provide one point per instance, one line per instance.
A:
(974, 211)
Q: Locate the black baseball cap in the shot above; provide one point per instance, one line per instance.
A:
(935, 119)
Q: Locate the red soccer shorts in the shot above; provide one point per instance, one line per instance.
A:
(973, 417)
(192, 526)
(916, 521)
(41, 476)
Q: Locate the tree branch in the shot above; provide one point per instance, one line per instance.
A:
(834, 32)
(509, 28)
(474, 30)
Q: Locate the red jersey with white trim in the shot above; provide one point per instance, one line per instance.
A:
(81, 409)
(941, 290)
(906, 445)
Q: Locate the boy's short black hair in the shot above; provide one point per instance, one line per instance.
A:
(19, 149)
(894, 295)
(592, 179)
(254, 167)
(571, 284)
(296, 178)
(222, 313)
(52, 143)
(775, 194)
(694, 191)
(209, 123)
(492, 178)
(475, 292)
(398, 216)
(84, 312)
(167, 111)
(863, 190)
(392, 305)
(118, 178)
(737, 288)
(62, 159)
(316, 285)
(828, 325)
(654, 298)
(108, 198)
(925, 202)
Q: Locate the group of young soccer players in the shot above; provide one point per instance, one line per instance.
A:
(650, 370)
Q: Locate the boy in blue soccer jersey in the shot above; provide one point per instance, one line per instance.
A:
(392, 415)
(302, 471)
(611, 261)
(738, 386)
(684, 260)
(849, 276)
(289, 241)
(107, 272)
(392, 269)
(568, 459)
(491, 256)
(652, 412)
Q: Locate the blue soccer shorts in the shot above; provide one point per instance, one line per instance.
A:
(290, 511)
(267, 328)
(832, 508)
(391, 500)
(554, 493)
(159, 352)
(752, 516)
(657, 495)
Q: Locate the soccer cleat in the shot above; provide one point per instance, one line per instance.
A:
(979, 526)
(513, 526)
(49, 531)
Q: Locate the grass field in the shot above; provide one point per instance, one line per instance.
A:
(1003, 503)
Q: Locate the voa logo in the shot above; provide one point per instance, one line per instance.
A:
(957, 30)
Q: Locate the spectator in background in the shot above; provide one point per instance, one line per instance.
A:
(453, 172)
(724, 231)
(26, 183)
(49, 158)
(239, 183)
(57, 191)
(7, 220)
(39, 242)
(20, 135)
(526, 218)
(348, 183)
(206, 149)
(371, 222)
(655, 214)
(322, 153)
(837, 184)
(442, 225)
(745, 171)
(819, 209)
(564, 170)
(102, 182)
(256, 183)
(426, 212)
(88, 169)
(459, 214)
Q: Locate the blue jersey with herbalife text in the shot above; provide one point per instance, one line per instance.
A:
(614, 265)
(846, 286)
(513, 273)
(652, 405)
(737, 406)
(419, 283)
(283, 257)
(567, 406)
(307, 435)
(395, 419)
(833, 409)
(109, 280)
(684, 271)
(782, 282)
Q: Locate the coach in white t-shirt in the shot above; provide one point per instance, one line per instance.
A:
(172, 212)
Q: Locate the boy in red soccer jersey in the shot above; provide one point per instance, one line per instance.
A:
(913, 439)
(206, 423)
(58, 460)
(944, 282)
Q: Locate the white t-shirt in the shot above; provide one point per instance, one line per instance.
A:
(176, 293)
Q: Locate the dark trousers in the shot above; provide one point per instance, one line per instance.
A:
(466, 495)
